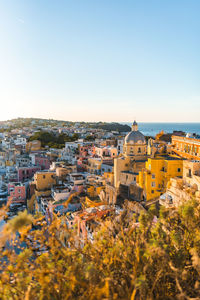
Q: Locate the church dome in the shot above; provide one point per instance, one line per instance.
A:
(135, 136)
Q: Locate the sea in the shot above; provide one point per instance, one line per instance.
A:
(151, 129)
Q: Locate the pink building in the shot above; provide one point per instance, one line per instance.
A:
(83, 150)
(43, 162)
(86, 150)
(82, 163)
(17, 192)
(88, 220)
(39, 159)
(27, 173)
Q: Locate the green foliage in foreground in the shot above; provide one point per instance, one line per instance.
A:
(153, 261)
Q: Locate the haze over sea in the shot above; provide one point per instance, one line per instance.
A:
(151, 129)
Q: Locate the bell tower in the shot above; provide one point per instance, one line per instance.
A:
(134, 126)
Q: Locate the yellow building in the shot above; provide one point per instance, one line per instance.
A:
(127, 167)
(186, 147)
(9, 163)
(133, 157)
(94, 165)
(33, 146)
(43, 181)
(109, 176)
(156, 174)
(93, 190)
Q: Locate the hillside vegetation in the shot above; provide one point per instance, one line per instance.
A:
(111, 126)
(157, 260)
(52, 140)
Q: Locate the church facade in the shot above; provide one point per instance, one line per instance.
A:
(128, 164)
(133, 158)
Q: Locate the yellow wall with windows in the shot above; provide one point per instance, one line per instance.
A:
(156, 174)
(94, 165)
(44, 180)
(139, 150)
(109, 176)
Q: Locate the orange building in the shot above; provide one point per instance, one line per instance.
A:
(186, 147)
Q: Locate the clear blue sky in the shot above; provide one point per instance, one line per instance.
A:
(109, 60)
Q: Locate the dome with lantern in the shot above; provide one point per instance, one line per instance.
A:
(134, 136)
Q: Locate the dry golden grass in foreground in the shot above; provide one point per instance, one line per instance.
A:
(154, 261)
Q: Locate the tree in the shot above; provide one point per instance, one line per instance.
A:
(52, 140)
(90, 138)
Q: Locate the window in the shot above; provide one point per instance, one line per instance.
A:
(139, 150)
(179, 169)
(153, 176)
(152, 191)
(153, 184)
(44, 176)
(19, 191)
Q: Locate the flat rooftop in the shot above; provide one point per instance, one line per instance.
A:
(167, 157)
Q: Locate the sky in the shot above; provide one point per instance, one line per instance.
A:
(100, 60)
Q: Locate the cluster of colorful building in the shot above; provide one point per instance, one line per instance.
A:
(87, 181)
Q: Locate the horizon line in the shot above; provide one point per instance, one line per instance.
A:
(99, 121)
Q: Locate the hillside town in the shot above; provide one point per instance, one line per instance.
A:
(94, 173)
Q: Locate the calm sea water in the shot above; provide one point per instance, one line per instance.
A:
(153, 128)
